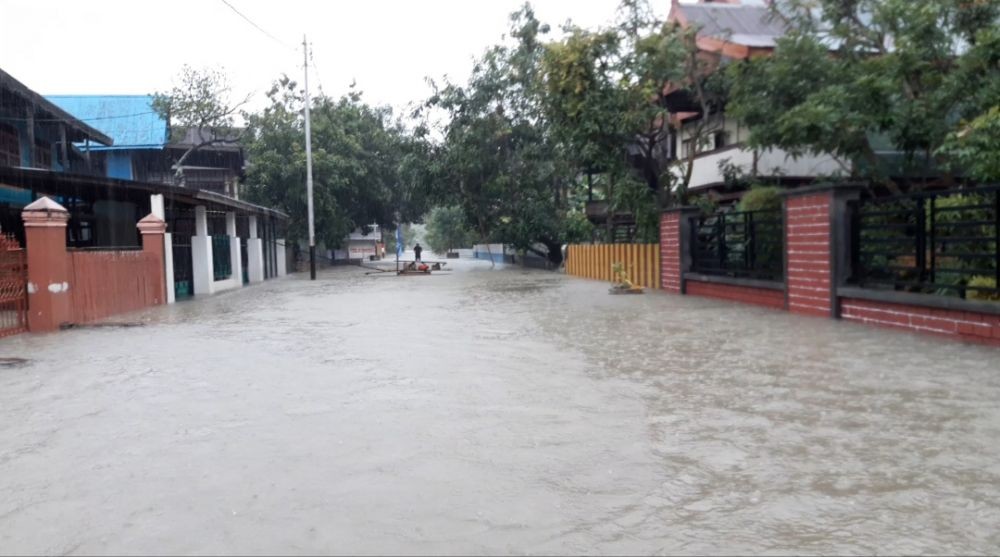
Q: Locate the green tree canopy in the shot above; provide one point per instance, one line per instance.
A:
(854, 78)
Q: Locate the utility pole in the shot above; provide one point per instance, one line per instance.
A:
(309, 169)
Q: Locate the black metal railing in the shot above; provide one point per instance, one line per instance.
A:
(945, 243)
(740, 244)
(222, 262)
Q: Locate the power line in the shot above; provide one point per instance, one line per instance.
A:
(94, 119)
(319, 74)
(258, 27)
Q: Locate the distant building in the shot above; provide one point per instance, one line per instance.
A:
(143, 149)
(360, 245)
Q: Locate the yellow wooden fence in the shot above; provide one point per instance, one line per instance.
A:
(642, 262)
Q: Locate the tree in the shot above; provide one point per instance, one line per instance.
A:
(201, 103)
(497, 158)
(358, 153)
(855, 78)
(447, 229)
(975, 147)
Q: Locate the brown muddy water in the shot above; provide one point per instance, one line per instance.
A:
(494, 412)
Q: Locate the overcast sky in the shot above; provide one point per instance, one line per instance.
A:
(137, 47)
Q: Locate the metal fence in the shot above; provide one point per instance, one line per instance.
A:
(740, 244)
(13, 287)
(222, 263)
(945, 243)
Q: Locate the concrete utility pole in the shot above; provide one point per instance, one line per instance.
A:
(309, 168)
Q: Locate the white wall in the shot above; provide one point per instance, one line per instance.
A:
(706, 167)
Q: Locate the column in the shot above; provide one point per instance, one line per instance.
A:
(152, 228)
(816, 247)
(255, 254)
(157, 209)
(49, 303)
(201, 254)
(235, 256)
(279, 248)
(675, 247)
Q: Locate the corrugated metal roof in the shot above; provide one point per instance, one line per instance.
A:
(78, 130)
(746, 25)
(128, 119)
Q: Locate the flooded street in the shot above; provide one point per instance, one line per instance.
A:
(494, 411)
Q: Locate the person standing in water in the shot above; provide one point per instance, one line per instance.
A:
(417, 250)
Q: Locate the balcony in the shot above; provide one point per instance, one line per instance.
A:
(770, 163)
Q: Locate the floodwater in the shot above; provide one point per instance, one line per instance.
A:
(494, 411)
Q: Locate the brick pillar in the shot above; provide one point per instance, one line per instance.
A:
(152, 228)
(48, 265)
(675, 247)
(816, 244)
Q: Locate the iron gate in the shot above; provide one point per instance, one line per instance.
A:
(13, 292)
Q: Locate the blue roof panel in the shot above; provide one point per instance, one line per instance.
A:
(128, 119)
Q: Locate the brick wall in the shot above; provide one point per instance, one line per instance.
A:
(977, 327)
(809, 222)
(807, 240)
(745, 294)
(670, 251)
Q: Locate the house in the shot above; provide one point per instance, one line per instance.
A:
(361, 244)
(36, 133)
(98, 245)
(711, 142)
(147, 149)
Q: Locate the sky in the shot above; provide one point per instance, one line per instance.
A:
(388, 47)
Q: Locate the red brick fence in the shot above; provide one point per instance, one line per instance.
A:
(821, 265)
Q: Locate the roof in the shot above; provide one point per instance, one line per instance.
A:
(49, 182)
(128, 119)
(78, 129)
(748, 25)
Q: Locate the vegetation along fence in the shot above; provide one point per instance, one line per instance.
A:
(740, 244)
(945, 243)
(641, 262)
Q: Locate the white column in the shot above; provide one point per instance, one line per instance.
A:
(279, 250)
(255, 254)
(168, 266)
(156, 206)
(235, 257)
(201, 254)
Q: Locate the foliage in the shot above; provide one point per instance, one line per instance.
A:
(200, 102)
(635, 197)
(980, 281)
(359, 157)
(761, 198)
(975, 148)
(603, 96)
(853, 77)
(497, 160)
(447, 228)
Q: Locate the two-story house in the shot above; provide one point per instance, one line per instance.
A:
(705, 144)
(146, 149)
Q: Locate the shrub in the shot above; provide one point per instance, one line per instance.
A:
(761, 198)
(983, 282)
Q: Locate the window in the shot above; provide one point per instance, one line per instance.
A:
(711, 142)
(10, 147)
